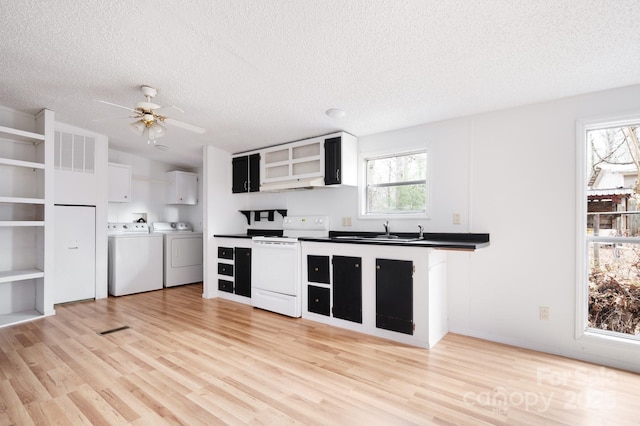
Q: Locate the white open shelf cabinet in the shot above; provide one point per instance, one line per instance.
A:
(26, 183)
(296, 160)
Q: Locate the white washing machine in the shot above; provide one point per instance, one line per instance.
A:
(135, 259)
(182, 252)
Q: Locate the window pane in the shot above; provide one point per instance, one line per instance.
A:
(397, 199)
(404, 168)
(613, 287)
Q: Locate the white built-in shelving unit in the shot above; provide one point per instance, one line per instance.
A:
(26, 209)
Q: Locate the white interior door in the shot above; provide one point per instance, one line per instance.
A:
(75, 253)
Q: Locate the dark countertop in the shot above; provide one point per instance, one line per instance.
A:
(438, 240)
(232, 236)
(444, 241)
(253, 233)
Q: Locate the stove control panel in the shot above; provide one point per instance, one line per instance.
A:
(320, 223)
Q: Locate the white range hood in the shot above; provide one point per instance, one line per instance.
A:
(304, 183)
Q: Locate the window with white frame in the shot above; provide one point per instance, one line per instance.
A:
(609, 287)
(396, 185)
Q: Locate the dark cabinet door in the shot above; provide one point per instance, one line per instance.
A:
(318, 269)
(347, 288)
(225, 253)
(318, 300)
(240, 172)
(225, 269)
(332, 160)
(394, 295)
(225, 285)
(242, 268)
(254, 173)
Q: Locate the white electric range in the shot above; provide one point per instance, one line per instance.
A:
(276, 283)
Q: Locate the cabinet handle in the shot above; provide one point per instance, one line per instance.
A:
(338, 174)
(377, 266)
(315, 269)
(357, 265)
(245, 185)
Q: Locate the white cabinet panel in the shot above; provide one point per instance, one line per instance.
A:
(119, 183)
(75, 253)
(182, 188)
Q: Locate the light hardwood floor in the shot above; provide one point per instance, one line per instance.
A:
(187, 360)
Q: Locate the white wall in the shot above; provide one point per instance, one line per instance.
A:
(510, 173)
(77, 188)
(532, 219)
(148, 186)
(221, 214)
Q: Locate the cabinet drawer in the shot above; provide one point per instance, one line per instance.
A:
(318, 269)
(224, 285)
(225, 269)
(318, 300)
(225, 252)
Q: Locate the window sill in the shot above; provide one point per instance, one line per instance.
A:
(391, 216)
(606, 339)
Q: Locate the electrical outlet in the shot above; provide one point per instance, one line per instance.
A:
(544, 313)
(456, 218)
(349, 221)
(346, 221)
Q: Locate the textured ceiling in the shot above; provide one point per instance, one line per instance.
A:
(262, 72)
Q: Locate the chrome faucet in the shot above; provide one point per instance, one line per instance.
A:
(386, 228)
(420, 233)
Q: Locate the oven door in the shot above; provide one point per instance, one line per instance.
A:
(275, 266)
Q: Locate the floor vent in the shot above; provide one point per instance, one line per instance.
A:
(113, 330)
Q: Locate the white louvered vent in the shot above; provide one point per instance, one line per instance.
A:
(75, 153)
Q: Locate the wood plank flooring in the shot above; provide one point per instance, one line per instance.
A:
(188, 360)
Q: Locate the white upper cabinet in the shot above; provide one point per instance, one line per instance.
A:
(119, 183)
(182, 188)
(328, 160)
(296, 160)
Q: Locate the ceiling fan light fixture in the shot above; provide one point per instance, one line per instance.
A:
(138, 127)
(156, 130)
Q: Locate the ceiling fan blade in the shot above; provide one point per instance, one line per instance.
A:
(96, 120)
(164, 109)
(184, 125)
(118, 106)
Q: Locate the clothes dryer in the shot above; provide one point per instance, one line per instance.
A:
(183, 250)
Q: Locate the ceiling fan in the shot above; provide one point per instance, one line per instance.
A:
(149, 117)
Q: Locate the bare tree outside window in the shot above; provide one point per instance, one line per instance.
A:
(397, 184)
(613, 229)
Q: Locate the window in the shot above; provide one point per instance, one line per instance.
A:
(396, 185)
(609, 284)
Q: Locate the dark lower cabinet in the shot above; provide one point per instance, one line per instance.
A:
(225, 253)
(318, 269)
(318, 300)
(242, 266)
(225, 269)
(224, 285)
(394, 295)
(347, 288)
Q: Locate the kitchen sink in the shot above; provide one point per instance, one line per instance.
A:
(386, 238)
